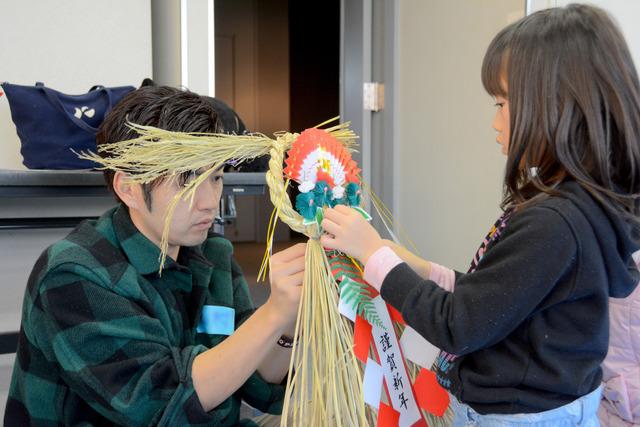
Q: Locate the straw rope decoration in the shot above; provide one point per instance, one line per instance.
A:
(325, 382)
(326, 387)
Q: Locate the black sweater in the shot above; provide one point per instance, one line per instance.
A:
(530, 325)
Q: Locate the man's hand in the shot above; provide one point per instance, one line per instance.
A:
(350, 233)
(220, 371)
(286, 274)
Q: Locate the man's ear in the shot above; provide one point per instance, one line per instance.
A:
(130, 193)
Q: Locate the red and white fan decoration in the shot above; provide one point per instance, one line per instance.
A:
(318, 156)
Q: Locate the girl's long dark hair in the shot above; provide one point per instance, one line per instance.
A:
(574, 101)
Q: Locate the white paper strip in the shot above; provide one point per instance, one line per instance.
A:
(417, 349)
(395, 374)
(372, 383)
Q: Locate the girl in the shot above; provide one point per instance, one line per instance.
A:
(526, 329)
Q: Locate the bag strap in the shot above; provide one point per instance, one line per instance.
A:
(52, 95)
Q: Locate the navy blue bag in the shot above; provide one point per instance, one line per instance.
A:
(50, 123)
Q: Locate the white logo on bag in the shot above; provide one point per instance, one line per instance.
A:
(84, 110)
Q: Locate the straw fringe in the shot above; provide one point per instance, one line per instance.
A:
(326, 387)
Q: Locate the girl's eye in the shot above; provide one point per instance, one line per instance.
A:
(499, 104)
(217, 178)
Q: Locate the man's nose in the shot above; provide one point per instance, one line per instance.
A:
(208, 195)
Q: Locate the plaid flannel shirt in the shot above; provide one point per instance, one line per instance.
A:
(106, 340)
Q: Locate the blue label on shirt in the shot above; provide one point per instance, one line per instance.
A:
(216, 320)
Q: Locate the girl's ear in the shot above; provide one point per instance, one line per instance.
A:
(130, 193)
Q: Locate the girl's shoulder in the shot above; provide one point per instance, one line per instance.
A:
(571, 202)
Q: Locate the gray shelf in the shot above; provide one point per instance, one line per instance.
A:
(85, 183)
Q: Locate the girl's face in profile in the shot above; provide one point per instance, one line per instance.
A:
(501, 123)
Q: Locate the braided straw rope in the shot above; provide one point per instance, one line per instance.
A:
(324, 387)
(278, 191)
(277, 186)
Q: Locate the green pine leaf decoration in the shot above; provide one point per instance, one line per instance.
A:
(342, 267)
(367, 309)
(357, 296)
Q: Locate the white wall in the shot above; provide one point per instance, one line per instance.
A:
(74, 44)
(449, 168)
(70, 45)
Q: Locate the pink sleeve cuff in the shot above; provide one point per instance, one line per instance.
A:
(443, 276)
(385, 259)
(379, 265)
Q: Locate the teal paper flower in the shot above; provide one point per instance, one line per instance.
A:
(322, 194)
(306, 205)
(353, 193)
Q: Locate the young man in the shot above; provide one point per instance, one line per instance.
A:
(106, 339)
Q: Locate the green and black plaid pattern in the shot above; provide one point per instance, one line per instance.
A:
(106, 340)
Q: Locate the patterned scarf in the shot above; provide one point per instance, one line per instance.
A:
(444, 362)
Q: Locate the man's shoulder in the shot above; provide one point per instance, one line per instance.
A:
(218, 250)
(87, 252)
(216, 241)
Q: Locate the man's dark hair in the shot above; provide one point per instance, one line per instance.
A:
(159, 106)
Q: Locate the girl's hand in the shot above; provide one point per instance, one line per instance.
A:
(350, 233)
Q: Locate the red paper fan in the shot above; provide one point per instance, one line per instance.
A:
(316, 156)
